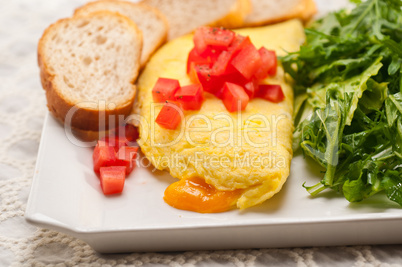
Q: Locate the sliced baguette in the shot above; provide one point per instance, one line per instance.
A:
(269, 11)
(236, 17)
(149, 20)
(186, 16)
(88, 66)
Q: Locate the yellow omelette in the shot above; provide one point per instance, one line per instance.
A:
(223, 159)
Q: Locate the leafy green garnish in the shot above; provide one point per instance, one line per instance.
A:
(349, 75)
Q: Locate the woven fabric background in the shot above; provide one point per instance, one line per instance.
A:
(22, 110)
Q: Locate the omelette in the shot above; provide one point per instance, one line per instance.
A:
(223, 160)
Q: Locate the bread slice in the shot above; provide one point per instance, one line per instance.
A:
(235, 18)
(149, 20)
(269, 11)
(88, 66)
(186, 16)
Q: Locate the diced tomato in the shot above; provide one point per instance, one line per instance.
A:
(268, 63)
(165, 89)
(170, 116)
(222, 66)
(131, 132)
(213, 37)
(234, 98)
(214, 83)
(219, 93)
(229, 66)
(248, 61)
(128, 131)
(199, 42)
(209, 43)
(209, 56)
(194, 57)
(104, 155)
(219, 37)
(190, 97)
(271, 92)
(193, 74)
(211, 53)
(231, 78)
(115, 141)
(274, 63)
(236, 78)
(238, 44)
(126, 157)
(251, 88)
(112, 179)
(202, 74)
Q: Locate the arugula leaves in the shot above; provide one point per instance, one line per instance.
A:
(349, 78)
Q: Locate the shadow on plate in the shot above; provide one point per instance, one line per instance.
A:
(315, 170)
(162, 176)
(377, 203)
(271, 205)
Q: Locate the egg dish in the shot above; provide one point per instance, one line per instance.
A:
(223, 159)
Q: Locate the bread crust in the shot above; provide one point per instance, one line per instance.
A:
(235, 18)
(159, 14)
(85, 119)
(165, 22)
(232, 17)
(304, 11)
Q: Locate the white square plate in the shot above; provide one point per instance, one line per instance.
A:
(66, 196)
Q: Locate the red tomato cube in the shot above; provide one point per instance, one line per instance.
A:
(112, 179)
(222, 64)
(165, 89)
(212, 54)
(103, 155)
(235, 78)
(170, 116)
(248, 61)
(199, 43)
(194, 57)
(273, 59)
(238, 44)
(268, 65)
(234, 98)
(202, 74)
(219, 37)
(126, 157)
(115, 141)
(190, 97)
(128, 131)
(214, 83)
(193, 72)
(271, 92)
(251, 88)
(213, 37)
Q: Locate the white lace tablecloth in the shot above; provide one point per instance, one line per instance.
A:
(22, 109)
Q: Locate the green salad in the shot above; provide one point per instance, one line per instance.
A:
(348, 105)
